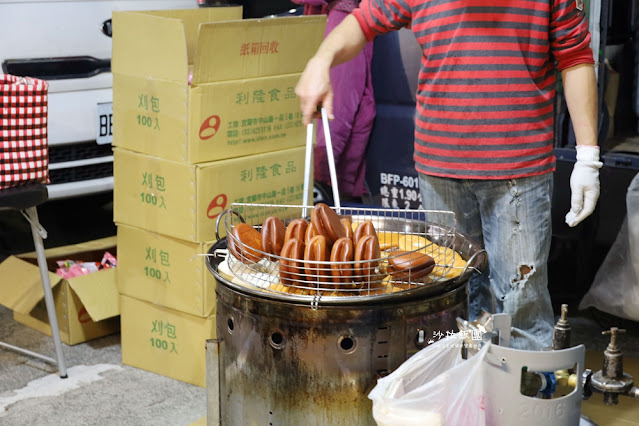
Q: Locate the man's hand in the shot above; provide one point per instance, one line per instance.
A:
(314, 89)
(584, 184)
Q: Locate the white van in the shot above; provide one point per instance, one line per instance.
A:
(68, 43)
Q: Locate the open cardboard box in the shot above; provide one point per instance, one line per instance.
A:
(87, 307)
(241, 97)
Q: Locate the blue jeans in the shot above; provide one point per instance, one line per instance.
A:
(511, 219)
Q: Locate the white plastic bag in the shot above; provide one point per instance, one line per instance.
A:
(434, 387)
(615, 289)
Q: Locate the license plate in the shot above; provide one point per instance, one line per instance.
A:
(105, 123)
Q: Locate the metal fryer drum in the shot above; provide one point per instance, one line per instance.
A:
(283, 363)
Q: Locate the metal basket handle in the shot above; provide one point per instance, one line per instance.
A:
(331, 160)
(309, 159)
(224, 213)
(470, 259)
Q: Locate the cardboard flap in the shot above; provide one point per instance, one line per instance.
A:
(235, 50)
(98, 293)
(192, 18)
(98, 247)
(149, 46)
(161, 44)
(21, 285)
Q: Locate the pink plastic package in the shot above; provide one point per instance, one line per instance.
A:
(72, 268)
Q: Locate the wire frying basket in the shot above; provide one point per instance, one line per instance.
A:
(411, 249)
(405, 233)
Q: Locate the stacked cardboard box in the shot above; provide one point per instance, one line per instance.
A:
(206, 116)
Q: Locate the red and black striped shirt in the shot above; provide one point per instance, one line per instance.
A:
(486, 89)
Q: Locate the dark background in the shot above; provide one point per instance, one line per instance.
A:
(66, 221)
(256, 8)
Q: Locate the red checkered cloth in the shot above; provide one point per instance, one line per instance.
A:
(24, 149)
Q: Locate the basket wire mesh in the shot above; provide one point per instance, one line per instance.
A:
(406, 233)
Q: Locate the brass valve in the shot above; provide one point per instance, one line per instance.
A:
(611, 380)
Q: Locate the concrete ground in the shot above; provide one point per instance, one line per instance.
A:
(115, 395)
(107, 393)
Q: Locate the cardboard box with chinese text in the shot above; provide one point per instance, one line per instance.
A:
(165, 271)
(165, 341)
(184, 200)
(241, 97)
(86, 306)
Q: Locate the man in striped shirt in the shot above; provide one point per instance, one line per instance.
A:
(484, 130)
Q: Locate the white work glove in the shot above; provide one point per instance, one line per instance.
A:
(584, 184)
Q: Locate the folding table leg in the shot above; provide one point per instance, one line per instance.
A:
(32, 214)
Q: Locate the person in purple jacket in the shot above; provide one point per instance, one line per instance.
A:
(353, 108)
